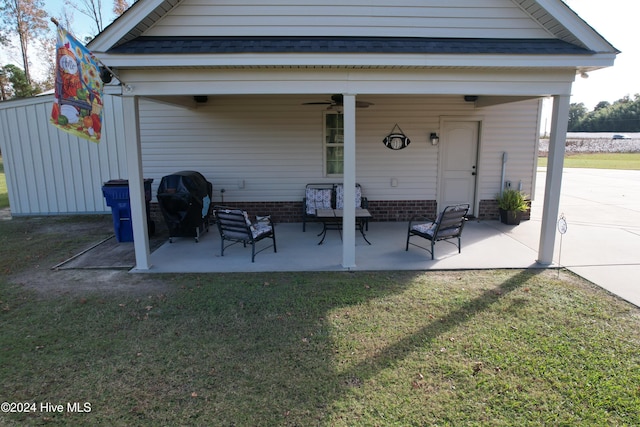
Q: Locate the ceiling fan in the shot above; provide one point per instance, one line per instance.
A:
(337, 101)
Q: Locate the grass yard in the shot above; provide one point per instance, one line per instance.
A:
(626, 161)
(505, 347)
(4, 193)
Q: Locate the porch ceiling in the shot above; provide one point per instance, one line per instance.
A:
(190, 102)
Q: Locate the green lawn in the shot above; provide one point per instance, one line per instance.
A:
(4, 193)
(498, 347)
(627, 161)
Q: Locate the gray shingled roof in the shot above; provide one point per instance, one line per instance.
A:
(175, 45)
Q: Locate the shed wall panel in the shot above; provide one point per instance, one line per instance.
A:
(49, 171)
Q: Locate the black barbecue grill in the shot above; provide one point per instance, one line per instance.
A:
(185, 202)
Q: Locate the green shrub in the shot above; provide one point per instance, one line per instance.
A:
(512, 200)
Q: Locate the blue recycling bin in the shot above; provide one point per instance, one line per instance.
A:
(116, 194)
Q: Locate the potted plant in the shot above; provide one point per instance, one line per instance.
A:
(511, 204)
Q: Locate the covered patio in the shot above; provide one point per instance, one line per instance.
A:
(601, 251)
(223, 97)
(482, 244)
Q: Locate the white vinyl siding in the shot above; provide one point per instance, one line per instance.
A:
(265, 148)
(515, 129)
(268, 145)
(370, 18)
(257, 148)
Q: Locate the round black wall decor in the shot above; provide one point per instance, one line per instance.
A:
(396, 140)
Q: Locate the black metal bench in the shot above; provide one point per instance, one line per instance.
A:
(327, 196)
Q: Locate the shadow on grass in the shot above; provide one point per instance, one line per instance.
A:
(438, 327)
(228, 349)
(272, 355)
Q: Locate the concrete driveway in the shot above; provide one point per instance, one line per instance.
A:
(602, 242)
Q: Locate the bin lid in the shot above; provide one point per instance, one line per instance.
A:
(123, 182)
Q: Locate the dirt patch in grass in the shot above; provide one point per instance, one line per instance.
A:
(30, 247)
(78, 283)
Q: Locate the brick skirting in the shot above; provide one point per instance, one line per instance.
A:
(381, 210)
(488, 209)
(401, 210)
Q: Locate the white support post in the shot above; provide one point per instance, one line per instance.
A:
(557, 141)
(349, 182)
(136, 182)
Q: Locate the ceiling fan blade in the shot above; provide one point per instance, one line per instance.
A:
(338, 100)
(363, 104)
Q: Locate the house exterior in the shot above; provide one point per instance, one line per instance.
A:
(236, 91)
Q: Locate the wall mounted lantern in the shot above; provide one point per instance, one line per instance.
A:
(434, 138)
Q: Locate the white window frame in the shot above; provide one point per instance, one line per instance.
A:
(331, 139)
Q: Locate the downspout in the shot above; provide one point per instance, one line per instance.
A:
(505, 156)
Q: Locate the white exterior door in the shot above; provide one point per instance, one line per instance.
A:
(458, 163)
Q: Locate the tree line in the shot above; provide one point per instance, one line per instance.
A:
(25, 27)
(621, 116)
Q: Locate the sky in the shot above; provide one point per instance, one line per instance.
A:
(615, 20)
(82, 26)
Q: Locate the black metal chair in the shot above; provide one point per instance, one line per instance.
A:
(235, 226)
(447, 226)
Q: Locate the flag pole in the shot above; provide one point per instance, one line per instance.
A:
(113, 73)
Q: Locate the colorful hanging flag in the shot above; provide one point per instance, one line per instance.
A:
(77, 107)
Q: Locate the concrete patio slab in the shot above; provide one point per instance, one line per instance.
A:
(483, 246)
